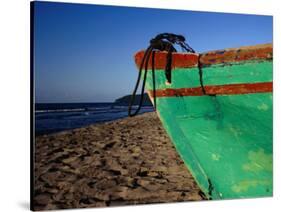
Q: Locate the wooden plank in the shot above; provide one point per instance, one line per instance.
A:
(231, 89)
(188, 60)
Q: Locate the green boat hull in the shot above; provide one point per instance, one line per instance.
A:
(225, 139)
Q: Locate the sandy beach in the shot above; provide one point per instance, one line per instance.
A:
(123, 162)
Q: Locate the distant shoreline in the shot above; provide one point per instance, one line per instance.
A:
(51, 118)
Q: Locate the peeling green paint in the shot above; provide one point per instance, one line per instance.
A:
(216, 157)
(245, 185)
(225, 139)
(259, 161)
(213, 75)
(235, 130)
(263, 106)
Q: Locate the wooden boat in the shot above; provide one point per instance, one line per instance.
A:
(224, 137)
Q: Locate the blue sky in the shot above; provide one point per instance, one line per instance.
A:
(84, 53)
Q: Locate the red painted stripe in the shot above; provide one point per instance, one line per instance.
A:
(179, 60)
(263, 87)
(188, 60)
(236, 55)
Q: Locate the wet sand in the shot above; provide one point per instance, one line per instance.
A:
(124, 162)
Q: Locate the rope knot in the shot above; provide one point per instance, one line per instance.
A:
(162, 42)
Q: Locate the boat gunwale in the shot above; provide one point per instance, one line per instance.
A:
(223, 57)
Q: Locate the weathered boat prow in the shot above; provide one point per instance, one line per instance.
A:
(223, 129)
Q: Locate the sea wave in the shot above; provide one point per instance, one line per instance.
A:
(57, 117)
(100, 109)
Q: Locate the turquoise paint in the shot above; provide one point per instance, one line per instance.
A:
(249, 72)
(214, 75)
(222, 139)
(227, 139)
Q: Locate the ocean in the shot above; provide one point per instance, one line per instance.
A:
(56, 117)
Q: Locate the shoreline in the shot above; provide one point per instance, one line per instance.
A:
(54, 121)
(122, 162)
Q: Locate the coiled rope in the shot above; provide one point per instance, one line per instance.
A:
(162, 42)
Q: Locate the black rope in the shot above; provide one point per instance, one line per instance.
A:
(168, 68)
(153, 78)
(162, 42)
(200, 68)
(201, 75)
(147, 53)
